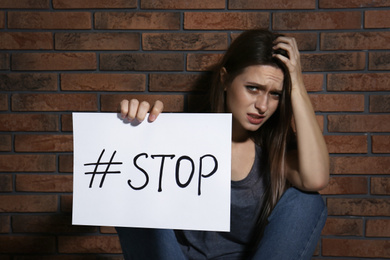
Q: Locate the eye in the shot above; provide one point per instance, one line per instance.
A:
(276, 94)
(252, 88)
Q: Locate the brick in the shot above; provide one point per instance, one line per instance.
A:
(313, 82)
(380, 186)
(107, 230)
(305, 41)
(380, 143)
(316, 20)
(5, 224)
(54, 102)
(197, 103)
(343, 227)
(44, 183)
(359, 165)
(358, 207)
(54, 61)
(5, 143)
(379, 61)
(3, 103)
(225, 20)
(358, 123)
(6, 183)
(2, 20)
(358, 82)
(180, 4)
(377, 18)
(346, 143)
(137, 20)
(65, 163)
(89, 244)
(28, 82)
(172, 103)
(28, 203)
(66, 203)
(142, 61)
(346, 185)
(378, 228)
(27, 163)
(47, 224)
(4, 61)
(184, 41)
(66, 123)
(27, 244)
(26, 41)
(202, 61)
(49, 20)
(380, 103)
(355, 247)
(25, 4)
(354, 40)
(337, 102)
(103, 82)
(333, 61)
(57, 256)
(28, 122)
(277, 4)
(352, 4)
(44, 143)
(175, 82)
(97, 41)
(94, 4)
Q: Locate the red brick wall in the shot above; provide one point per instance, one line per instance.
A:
(59, 56)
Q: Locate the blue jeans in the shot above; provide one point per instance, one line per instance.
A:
(293, 232)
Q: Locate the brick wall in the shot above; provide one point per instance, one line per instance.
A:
(59, 56)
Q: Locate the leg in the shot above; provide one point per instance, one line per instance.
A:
(294, 227)
(143, 243)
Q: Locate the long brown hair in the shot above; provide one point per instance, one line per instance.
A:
(275, 137)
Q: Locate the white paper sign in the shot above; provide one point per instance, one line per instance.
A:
(173, 173)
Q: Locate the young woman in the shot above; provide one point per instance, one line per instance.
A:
(276, 212)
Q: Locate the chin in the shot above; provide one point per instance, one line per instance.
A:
(253, 128)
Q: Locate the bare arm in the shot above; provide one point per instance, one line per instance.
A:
(308, 167)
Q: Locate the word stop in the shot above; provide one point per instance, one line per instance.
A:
(139, 160)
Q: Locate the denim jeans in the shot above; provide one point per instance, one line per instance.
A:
(293, 232)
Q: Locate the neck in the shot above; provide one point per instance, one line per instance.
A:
(240, 135)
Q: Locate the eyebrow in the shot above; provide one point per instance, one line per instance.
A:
(263, 86)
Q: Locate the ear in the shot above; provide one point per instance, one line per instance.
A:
(223, 76)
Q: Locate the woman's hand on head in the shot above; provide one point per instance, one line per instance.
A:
(293, 61)
(133, 109)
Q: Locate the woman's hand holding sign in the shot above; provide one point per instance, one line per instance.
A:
(135, 110)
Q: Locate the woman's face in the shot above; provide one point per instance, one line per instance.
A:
(253, 96)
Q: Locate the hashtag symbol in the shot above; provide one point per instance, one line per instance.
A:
(104, 173)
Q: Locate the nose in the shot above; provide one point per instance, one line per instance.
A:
(261, 103)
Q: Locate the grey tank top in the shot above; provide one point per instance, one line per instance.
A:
(246, 203)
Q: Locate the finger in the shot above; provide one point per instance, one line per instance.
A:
(143, 109)
(133, 109)
(284, 46)
(123, 108)
(158, 107)
(288, 40)
(288, 44)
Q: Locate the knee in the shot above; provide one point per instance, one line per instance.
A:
(308, 200)
(299, 204)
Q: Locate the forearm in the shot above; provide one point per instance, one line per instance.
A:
(312, 153)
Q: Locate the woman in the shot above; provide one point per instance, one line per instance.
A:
(275, 212)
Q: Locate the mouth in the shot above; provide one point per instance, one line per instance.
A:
(255, 119)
